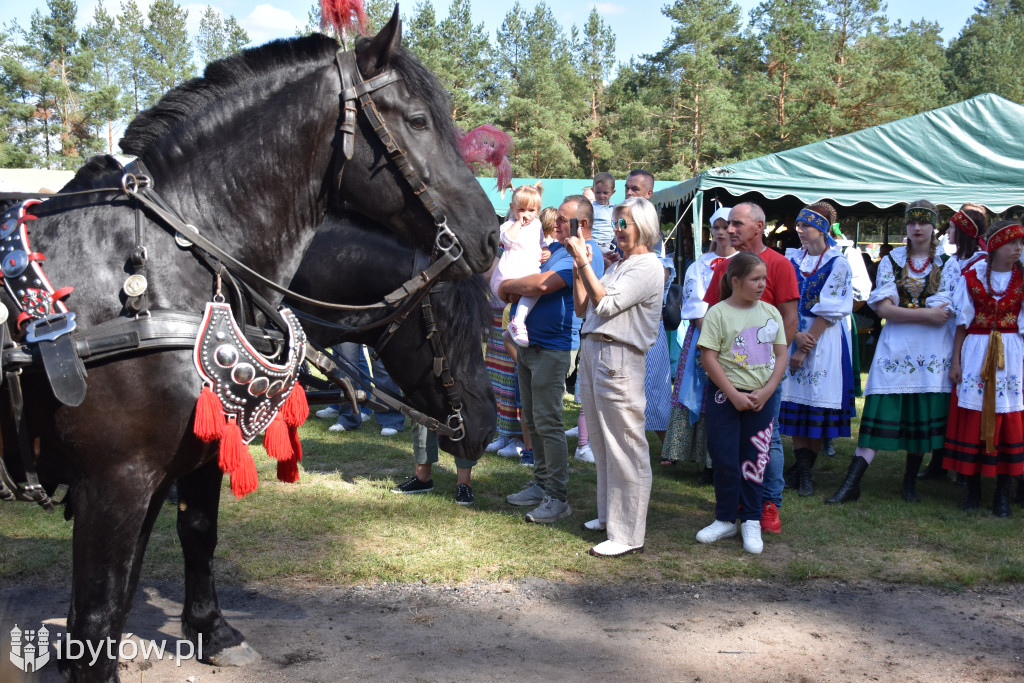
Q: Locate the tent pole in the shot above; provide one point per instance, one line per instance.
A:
(885, 231)
(856, 235)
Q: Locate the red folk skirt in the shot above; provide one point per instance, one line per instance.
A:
(964, 448)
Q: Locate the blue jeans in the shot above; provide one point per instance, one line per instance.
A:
(774, 477)
(346, 418)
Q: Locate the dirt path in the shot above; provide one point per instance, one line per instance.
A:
(536, 630)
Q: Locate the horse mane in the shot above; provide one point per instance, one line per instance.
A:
(463, 314)
(221, 78)
(218, 82)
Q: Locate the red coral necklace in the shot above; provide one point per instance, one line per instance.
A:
(816, 265)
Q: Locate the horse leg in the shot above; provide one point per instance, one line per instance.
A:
(113, 520)
(198, 505)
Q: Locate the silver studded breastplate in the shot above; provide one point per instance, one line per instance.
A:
(250, 388)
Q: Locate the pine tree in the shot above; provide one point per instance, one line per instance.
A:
(422, 36)
(464, 71)
(790, 51)
(698, 59)
(16, 105)
(218, 38)
(105, 99)
(134, 79)
(52, 44)
(988, 56)
(168, 51)
(597, 57)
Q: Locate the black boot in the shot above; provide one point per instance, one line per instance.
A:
(1001, 501)
(805, 458)
(935, 470)
(907, 491)
(850, 489)
(706, 477)
(1019, 498)
(973, 499)
(792, 476)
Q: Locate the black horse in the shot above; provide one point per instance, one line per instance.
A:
(354, 274)
(252, 154)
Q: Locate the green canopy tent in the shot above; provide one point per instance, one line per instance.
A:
(970, 151)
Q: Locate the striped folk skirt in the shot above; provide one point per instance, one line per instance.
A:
(915, 423)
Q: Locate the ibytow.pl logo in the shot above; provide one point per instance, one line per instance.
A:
(31, 649)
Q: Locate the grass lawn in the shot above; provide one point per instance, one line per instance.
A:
(340, 525)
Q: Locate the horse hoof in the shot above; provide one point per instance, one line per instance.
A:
(239, 655)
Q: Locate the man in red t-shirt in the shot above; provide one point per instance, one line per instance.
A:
(746, 232)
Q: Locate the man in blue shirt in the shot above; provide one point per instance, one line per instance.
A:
(543, 365)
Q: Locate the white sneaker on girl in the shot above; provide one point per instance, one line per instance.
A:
(751, 531)
(717, 531)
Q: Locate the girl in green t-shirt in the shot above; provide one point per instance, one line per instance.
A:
(743, 351)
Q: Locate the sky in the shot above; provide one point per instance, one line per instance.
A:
(640, 27)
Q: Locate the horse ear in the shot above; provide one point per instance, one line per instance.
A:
(373, 56)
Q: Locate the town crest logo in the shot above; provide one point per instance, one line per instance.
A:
(30, 650)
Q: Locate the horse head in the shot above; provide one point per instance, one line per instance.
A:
(432, 184)
(371, 265)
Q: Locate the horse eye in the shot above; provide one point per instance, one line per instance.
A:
(418, 122)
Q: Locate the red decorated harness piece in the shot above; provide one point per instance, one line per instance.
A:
(245, 394)
(23, 276)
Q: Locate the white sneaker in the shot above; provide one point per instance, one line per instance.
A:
(572, 433)
(327, 413)
(593, 525)
(751, 531)
(584, 453)
(514, 449)
(337, 427)
(718, 530)
(497, 444)
(388, 431)
(519, 335)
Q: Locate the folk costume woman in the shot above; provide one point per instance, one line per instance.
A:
(817, 394)
(967, 228)
(907, 393)
(686, 438)
(985, 431)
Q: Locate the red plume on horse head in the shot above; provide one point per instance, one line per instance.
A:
(343, 15)
(488, 144)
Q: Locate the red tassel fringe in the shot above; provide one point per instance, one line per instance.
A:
(288, 470)
(233, 450)
(296, 408)
(209, 420)
(293, 436)
(244, 479)
(276, 440)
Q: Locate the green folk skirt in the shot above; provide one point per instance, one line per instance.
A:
(915, 423)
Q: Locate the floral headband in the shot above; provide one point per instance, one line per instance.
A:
(1003, 235)
(921, 214)
(818, 222)
(964, 224)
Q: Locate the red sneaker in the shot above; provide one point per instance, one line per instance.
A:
(770, 518)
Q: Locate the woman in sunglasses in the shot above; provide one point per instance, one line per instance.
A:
(623, 312)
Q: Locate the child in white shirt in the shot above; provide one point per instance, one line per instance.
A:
(523, 240)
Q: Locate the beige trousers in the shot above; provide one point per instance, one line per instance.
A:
(612, 387)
